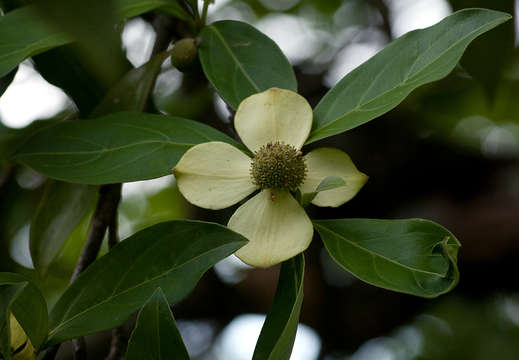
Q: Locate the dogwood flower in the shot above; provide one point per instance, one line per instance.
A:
(273, 125)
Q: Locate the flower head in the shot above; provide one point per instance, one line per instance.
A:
(274, 125)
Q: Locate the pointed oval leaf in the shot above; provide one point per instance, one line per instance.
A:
(35, 38)
(382, 82)
(119, 147)
(131, 8)
(38, 36)
(133, 91)
(156, 335)
(27, 304)
(415, 256)
(279, 330)
(171, 255)
(240, 61)
(61, 208)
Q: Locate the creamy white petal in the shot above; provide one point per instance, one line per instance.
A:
(214, 175)
(276, 226)
(325, 162)
(273, 115)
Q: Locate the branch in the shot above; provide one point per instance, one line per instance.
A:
(104, 215)
(5, 176)
(117, 344)
(383, 10)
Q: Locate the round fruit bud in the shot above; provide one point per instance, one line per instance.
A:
(184, 54)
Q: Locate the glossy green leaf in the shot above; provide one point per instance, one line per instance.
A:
(496, 47)
(8, 294)
(414, 256)
(171, 255)
(91, 25)
(133, 91)
(119, 147)
(61, 208)
(65, 68)
(38, 36)
(131, 8)
(17, 45)
(156, 335)
(382, 82)
(240, 61)
(279, 330)
(26, 302)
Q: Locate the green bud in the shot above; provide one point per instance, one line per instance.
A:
(278, 166)
(184, 54)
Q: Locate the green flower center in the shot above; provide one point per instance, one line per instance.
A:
(278, 166)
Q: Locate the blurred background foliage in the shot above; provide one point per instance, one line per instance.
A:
(449, 153)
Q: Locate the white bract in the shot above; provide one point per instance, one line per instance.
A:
(216, 175)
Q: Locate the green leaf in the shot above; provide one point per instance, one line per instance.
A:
(133, 91)
(26, 302)
(495, 48)
(119, 147)
(416, 257)
(91, 25)
(240, 61)
(328, 183)
(171, 255)
(156, 335)
(131, 8)
(61, 208)
(36, 37)
(382, 82)
(65, 68)
(279, 330)
(7, 296)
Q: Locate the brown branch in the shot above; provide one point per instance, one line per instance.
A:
(5, 176)
(117, 344)
(50, 354)
(104, 215)
(383, 10)
(113, 238)
(79, 348)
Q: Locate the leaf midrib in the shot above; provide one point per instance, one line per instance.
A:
(375, 255)
(104, 150)
(238, 63)
(63, 323)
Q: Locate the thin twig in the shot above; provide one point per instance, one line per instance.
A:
(383, 10)
(109, 196)
(104, 215)
(163, 26)
(204, 11)
(113, 238)
(5, 176)
(79, 348)
(117, 344)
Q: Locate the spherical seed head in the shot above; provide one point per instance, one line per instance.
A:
(278, 166)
